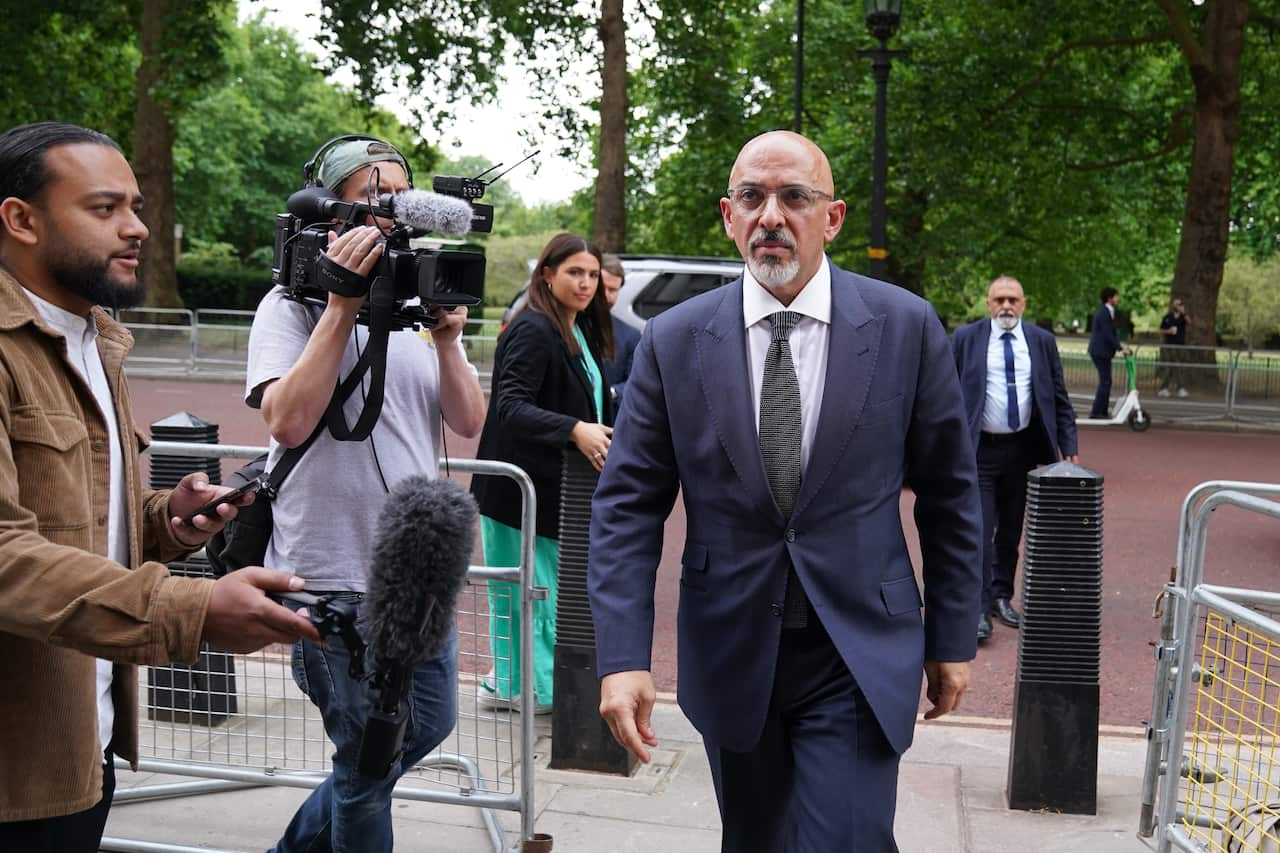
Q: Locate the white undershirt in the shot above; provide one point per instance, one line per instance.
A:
(81, 334)
(809, 339)
(995, 413)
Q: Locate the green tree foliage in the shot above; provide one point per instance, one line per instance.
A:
(1250, 299)
(240, 150)
(49, 50)
(1047, 140)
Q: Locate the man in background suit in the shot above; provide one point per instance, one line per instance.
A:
(1019, 417)
(789, 408)
(1103, 344)
(625, 338)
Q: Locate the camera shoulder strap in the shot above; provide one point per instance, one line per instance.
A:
(372, 361)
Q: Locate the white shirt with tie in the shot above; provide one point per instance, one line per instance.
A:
(995, 414)
(810, 340)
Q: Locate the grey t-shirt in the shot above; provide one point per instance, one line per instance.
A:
(327, 510)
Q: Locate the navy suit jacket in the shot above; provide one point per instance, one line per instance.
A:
(891, 416)
(1103, 340)
(625, 339)
(1052, 415)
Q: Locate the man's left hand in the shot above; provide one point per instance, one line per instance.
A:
(188, 496)
(449, 325)
(947, 681)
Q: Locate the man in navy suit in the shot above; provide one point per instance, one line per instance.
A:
(1103, 344)
(625, 338)
(790, 408)
(1019, 417)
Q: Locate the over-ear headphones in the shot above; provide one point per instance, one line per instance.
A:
(309, 170)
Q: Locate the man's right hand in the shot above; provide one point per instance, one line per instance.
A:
(242, 619)
(626, 703)
(357, 250)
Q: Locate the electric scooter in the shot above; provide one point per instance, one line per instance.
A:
(1129, 409)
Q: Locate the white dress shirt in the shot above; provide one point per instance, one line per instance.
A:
(809, 339)
(995, 414)
(81, 334)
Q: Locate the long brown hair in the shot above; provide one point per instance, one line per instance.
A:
(594, 320)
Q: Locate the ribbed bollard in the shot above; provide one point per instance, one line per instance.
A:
(580, 738)
(203, 693)
(1053, 753)
(168, 470)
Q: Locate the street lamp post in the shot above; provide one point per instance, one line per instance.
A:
(882, 17)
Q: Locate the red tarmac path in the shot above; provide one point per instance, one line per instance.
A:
(1146, 477)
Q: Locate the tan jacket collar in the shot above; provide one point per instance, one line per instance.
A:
(16, 310)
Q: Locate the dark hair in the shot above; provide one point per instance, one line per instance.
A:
(22, 154)
(594, 320)
(611, 263)
(1108, 292)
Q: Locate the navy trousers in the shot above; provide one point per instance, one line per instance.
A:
(1102, 399)
(823, 778)
(1003, 463)
(74, 833)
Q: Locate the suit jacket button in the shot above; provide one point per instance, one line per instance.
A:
(791, 535)
(775, 609)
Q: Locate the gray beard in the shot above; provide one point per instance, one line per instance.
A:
(774, 274)
(1007, 323)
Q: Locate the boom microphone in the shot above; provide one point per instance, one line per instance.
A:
(422, 550)
(417, 209)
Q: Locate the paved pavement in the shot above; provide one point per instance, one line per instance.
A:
(951, 800)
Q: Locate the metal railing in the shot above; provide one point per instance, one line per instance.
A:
(214, 343)
(269, 733)
(1217, 689)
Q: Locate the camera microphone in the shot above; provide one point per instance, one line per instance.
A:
(421, 554)
(429, 211)
(415, 208)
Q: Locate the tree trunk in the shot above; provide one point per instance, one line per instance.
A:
(153, 165)
(610, 229)
(1202, 250)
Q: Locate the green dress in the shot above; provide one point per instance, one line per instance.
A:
(501, 549)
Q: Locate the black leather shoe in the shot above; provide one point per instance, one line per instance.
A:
(1003, 610)
(984, 628)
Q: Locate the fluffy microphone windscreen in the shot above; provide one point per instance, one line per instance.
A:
(432, 212)
(425, 536)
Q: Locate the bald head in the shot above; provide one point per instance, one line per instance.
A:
(778, 147)
(781, 210)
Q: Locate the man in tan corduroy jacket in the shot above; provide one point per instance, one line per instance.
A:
(84, 593)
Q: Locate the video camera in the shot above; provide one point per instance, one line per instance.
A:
(421, 279)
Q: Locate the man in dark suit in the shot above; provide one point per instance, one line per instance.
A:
(789, 408)
(1019, 417)
(1103, 345)
(625, 338)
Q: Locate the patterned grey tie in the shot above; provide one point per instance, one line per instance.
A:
(780, 431)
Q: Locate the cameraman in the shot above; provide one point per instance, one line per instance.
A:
(326, 511)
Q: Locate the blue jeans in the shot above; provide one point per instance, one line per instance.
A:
(351, 812)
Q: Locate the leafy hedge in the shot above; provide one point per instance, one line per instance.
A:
(221, 284)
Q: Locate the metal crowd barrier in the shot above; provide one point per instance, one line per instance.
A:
(251, 726)
(1211, 782)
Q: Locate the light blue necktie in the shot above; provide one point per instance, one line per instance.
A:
(1011, 383)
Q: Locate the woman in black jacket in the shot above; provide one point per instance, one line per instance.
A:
(549, 396)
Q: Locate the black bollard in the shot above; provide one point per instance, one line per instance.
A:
(203, 693)
(580, 738)
(167, 469)
(1053, 751)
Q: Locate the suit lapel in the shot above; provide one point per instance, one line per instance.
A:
(851, 361)
(725, 375)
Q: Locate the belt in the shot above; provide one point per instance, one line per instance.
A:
(1002, 437)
